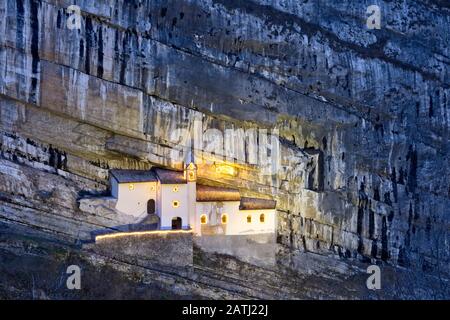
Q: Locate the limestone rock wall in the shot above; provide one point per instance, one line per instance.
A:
(163, 250)
(363, 115)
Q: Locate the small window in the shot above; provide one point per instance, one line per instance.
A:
(262, 218)
(175, 189)
(152, 188)
(203, 219)
(175, 203)
(224, 218)
(249, 219)
(151, 206)
(131, 186)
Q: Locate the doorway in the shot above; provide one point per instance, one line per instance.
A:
(176, 223)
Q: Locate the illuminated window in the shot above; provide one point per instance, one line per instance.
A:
(152, 188)
(175, 203)
(249, 219)
(175, 189)
(191, 175)
(224, 218)
(131, 186)
(203, 219)
(262, 218)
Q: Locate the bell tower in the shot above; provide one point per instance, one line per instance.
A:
(190, 174)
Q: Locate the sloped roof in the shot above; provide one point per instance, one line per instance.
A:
(211, 194)
(126, 176)
(170, 176)
(256, 204)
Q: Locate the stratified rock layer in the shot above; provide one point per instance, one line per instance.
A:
(363, 115)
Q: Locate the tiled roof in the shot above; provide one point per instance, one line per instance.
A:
(211, 194)
(204, 193)
(256, 204)
(170, 176)
(126, 176)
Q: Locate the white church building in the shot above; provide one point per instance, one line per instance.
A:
(181, 203)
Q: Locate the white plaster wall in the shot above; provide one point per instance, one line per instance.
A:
(255, 227)
(214, 211)
(168, 211)
(237, 220)
(158, 199)
(134, 202)
(192, 206)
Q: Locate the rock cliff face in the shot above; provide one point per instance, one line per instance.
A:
(363, 115)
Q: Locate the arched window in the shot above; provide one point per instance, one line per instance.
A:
(262, 218)
(175, 203)
(151, 206)
(249, 219)
(224, 218)
(203, 219)
(131, 187)
(175, 189)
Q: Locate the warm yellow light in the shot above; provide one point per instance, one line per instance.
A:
(249, 219)
(224, 218)
(225, 169)
(175, 189)
(203, 219)
(131, 186)
(138, 233)
(191, 172)
(262, 218)
(191, 166)
(175, 203)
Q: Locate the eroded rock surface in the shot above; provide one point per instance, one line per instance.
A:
(363, 115)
